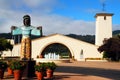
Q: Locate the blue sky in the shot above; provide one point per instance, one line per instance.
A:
(57, 16)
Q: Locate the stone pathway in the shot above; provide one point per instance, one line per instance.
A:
(84, 71)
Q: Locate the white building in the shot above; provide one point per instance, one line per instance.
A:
(79, 49)
(103, 27)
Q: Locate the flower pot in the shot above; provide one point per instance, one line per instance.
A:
(17, 74)
(2, 73)
(10, 71)
(49, 73)
(39, 75)
(41, 56)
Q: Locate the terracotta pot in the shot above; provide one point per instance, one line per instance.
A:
(49, 73)
(41, 56)
(10, 71)
(17, 74)
(39, 75)
(2, 73)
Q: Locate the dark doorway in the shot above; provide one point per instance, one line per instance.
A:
(57, 48)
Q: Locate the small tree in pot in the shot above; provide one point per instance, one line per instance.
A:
(17, 68)
(50, 67)
(10, 71)
(39, 70)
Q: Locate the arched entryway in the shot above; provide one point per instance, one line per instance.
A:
(78, 49)
(57, 49)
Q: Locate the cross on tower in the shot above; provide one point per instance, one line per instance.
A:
(103, 6)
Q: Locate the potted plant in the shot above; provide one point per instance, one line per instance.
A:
(39, 70)
(3, 67)
(10, 71)
(17, 68)
(50, 67)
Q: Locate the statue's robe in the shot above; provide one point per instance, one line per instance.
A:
(25, 52)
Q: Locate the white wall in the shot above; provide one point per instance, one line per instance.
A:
(103, 27)
(75, 46)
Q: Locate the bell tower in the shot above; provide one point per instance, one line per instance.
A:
(103, 27)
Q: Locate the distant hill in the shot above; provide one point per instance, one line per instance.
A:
(116, 32)
(86, 38)
(90, 38)
(6, 35)
(17, 38)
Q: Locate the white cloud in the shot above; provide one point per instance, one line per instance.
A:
(116, 27)
(40, 6)
(52, 23)
(93, 11)
(63, 25)
(33, 3)
(36, 3)
(4, 4)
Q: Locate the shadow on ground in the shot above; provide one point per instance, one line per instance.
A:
(85, 71)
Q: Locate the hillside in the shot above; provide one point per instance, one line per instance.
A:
(116, 32)
(86, 38)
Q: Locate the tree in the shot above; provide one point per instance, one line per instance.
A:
(5, 45)
(111, 48)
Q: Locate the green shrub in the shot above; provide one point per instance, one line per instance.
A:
(51, 65)
(17, 65)
(40, 67)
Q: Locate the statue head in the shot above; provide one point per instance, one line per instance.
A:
(26, 20)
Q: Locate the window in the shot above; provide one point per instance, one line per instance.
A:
(104, 17)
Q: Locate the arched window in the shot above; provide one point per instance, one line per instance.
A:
(104, 17)
(81, 54)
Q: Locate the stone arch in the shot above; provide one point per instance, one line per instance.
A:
(68, 47)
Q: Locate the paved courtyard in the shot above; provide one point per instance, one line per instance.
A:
(88, 71)
(84, 71)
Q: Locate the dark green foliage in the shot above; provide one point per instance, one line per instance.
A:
(116, 32)
(86, 38)
(3, 65)
(5, 45)
(51, 65)
(6, 35)
(40, 67)
(111, 47)
(17, 38)
(17, 65)
(106, 55)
